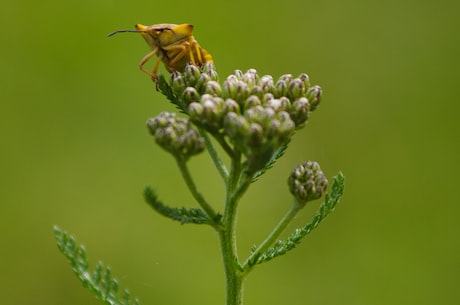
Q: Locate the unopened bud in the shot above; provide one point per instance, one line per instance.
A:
(296, 89)
(256, 114)
(231, 106)
(300, 111)
(255, 135)
(266, 82)
(250, 78)
(267, 97)
(242, 92)
(235, 126)
(287, 78)
(307, 182)
(191, 74)
(286, 127)
(238, 74)
(273, 128)
(177, 82)
(281, 88)
(210, 69)
(257, 91)
(280, 104)
(314, 97)
(190, 95)
(213, 88)
(195, 111)
(305, 79)
(201, 82)
(229, 87)
(252, 101)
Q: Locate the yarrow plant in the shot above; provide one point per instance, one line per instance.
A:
(252, 118)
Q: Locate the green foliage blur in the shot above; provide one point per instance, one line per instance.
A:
(75, 152)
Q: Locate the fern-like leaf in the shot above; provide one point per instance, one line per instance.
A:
(193, 215)
(278, 154)
(166, 90)
(330, 202)
(100, 282)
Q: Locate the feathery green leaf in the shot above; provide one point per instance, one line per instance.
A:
(166, 90)
(330, 201)
(192, 215)
(100, 282)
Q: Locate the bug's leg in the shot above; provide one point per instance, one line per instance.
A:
(154, 72)
(145, 59)
(197, 48)
(183, 49)
(191, 56)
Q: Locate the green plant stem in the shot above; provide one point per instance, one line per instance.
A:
(242, 188)
(220, 166)
(233, 275)
(227, 237)
(273, 236)
(182, 164)
(228, 149)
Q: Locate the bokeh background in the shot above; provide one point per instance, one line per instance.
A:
(74, 151)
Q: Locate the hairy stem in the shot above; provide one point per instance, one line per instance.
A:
(273, 236)
(220, 138)
(220, 166)
(233, 276)
(182, 164)
(227, 237)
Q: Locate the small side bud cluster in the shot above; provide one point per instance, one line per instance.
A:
(176, 135)
(307, 182)
(257, 113)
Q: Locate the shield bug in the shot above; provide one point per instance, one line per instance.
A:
(173, 44)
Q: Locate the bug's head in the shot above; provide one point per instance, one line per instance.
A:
(165, 34)
(161, 34)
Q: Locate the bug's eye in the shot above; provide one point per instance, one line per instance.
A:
(161, 30)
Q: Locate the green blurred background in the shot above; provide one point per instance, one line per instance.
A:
(74, 151)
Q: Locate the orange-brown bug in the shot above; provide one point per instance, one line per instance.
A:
(174, 45)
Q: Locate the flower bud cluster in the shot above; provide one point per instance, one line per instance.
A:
(294, 95)
(307, 182)
(175, 134)
(258, 133)
(257, 113)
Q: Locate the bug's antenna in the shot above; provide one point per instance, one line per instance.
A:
(124, 31)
